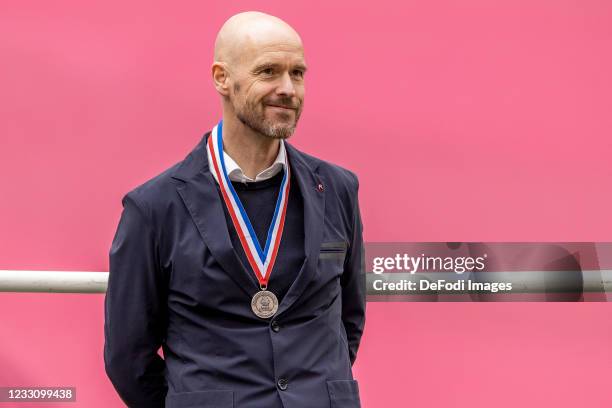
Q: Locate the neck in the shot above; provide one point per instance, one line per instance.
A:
(252, 151)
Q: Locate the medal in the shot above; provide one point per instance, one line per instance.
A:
(264, 303)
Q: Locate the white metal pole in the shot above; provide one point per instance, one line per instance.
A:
(53, 281)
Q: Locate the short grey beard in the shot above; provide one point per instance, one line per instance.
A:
(264, 128)
(275, 132)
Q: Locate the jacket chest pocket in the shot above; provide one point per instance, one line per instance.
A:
(331, 260)
(333, 250)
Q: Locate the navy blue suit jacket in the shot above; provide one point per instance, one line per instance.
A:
(176, 281)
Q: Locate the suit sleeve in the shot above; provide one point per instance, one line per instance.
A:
(354, 285)
(134, 311)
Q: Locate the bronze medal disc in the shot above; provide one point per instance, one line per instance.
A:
(264, 304)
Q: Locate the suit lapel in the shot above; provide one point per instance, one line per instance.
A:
(314, 212)
(199, 193)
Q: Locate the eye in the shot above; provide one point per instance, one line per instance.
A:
(298, 73)
(267, 71)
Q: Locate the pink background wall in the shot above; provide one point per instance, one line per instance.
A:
(465, 120)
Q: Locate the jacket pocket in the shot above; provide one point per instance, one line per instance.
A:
(333, 250)
(201, 399)
(343, 393)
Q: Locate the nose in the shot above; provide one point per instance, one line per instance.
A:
(286, 87)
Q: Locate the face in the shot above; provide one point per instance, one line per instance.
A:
(267, 88)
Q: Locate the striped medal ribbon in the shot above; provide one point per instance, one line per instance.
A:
(264, 303)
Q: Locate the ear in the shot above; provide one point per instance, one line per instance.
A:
(220, 76)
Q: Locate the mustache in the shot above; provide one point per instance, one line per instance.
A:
(283, 102)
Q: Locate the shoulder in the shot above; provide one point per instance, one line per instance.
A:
(334, 175)
(340, 175)
(341, 187)
(154, 192)
(160, 191)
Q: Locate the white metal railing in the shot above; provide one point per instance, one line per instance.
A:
(53, 281)
(523, 282)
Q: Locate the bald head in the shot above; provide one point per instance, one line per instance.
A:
(259, 72)
(250, 31)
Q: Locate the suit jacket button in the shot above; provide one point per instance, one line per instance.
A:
(282, 384)
(275, 326)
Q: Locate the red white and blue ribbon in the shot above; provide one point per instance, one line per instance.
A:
(261, 260)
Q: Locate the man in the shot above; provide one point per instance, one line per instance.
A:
(244, 261)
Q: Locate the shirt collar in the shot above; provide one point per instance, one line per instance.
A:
(235, 173)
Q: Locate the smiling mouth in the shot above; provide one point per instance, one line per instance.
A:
(280, 107)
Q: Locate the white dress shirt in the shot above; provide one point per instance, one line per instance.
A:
(235, 173)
